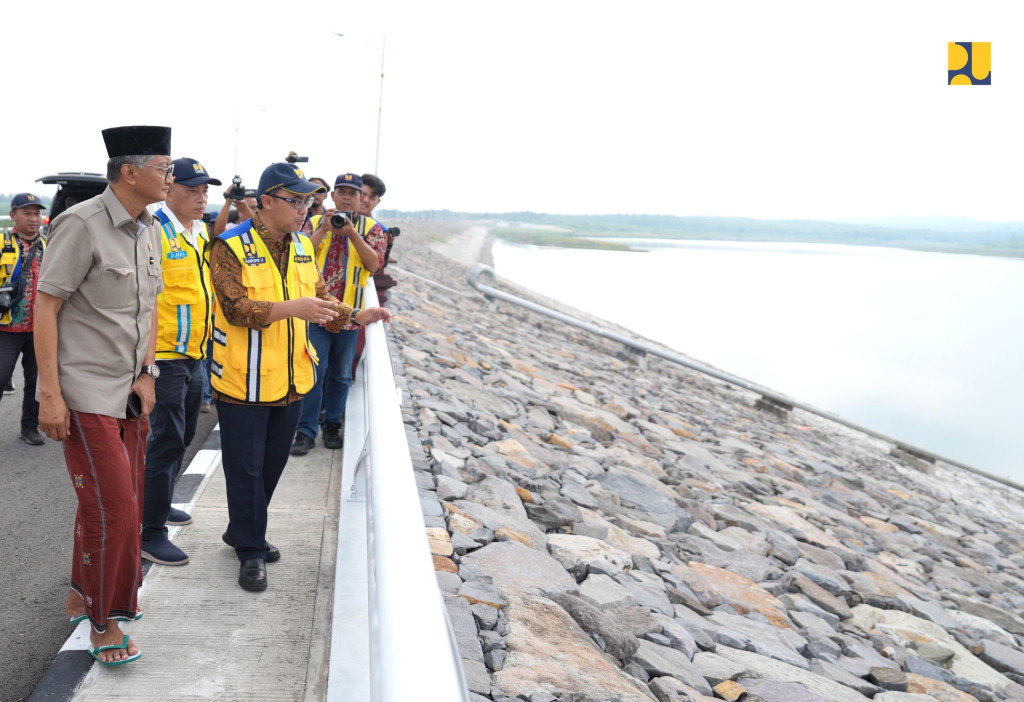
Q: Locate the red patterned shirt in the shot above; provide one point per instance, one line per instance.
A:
(21, 314)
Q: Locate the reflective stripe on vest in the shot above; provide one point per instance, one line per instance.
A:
(259, 365)
(184, 305)
(356, 274)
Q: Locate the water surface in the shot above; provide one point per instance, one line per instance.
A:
(926, 347)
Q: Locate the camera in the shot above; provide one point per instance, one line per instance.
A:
(394, 231)
(237, 192)
(295, 158)
(6, 299)
(340, 219)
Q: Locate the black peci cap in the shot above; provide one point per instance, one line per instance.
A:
(137, 141)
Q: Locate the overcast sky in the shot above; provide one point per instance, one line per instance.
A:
(758, 109)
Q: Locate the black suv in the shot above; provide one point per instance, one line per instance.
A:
(72, 188)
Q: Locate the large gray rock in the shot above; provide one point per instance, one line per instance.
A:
(679, 636)
(758, 666)
(717, 669)
(1003, 658)
(500, 495)
(662, 660)
(461, 617)
(549, 653)
(844, 677)
(765, 639)
(604, 593)
(776, 691)
(503, 520)
(633, 493)
(519, 568)
(577, 553)
(619, 642)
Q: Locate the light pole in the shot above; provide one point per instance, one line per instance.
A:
(380, 100)
(380, 105)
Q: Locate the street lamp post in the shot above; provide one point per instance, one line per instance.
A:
(380, 106)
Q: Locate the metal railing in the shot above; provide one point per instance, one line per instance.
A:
(771, 398)
(390, 617)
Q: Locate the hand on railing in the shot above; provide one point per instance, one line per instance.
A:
(373, 314)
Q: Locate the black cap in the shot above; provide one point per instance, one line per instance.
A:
(286, 176)
(137, 141)
(188, 171)
(26, 200)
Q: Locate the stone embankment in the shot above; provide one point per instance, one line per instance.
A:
(605, 533)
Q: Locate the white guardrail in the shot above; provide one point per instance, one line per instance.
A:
(391, 639)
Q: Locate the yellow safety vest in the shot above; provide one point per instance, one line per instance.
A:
(259, 365)
(184, 309)
(355, 274)
(10, 270)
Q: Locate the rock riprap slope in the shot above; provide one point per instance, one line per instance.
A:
(606, 533)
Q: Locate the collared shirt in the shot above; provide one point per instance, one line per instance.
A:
(106, 267)
(239, 310)
(21, 313)
(336, 264)
(191, 235)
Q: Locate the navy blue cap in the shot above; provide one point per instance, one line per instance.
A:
(188, 171)
(137, 141)
(26, 200)
(286, 176)
(349, 180)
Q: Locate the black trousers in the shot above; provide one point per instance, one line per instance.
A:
(172, 426)
(255, 441)
(12, 345)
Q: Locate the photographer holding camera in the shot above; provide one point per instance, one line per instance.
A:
(20, 258)
(243, 200)
(349, 249)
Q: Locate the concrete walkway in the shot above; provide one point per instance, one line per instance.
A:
(203, 637)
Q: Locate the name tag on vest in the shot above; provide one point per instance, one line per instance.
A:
(303, 259)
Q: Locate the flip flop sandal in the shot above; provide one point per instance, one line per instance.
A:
(124, 646)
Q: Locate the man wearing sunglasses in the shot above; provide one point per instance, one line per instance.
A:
(97, 367)
(269, 294)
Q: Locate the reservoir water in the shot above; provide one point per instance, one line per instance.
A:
(925, 347)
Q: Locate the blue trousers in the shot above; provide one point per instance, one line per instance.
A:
(172, 426)
(255, 441)
(13, 344)
(333, 378)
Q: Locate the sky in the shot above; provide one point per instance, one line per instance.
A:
(777, 110)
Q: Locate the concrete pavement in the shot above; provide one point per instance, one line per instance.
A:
(202, 636)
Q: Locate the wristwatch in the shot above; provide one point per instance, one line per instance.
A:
(153, 370)
(355, 311)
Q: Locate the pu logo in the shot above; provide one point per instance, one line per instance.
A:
(348, 177)
(299, 173)
(197, 168)
(31, 197)
(249, 250)
(970, 62)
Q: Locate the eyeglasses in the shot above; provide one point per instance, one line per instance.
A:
(295, 202)
(166, 170)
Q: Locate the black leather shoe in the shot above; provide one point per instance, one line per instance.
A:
(31, 435)
(273, 555)
(252, 575)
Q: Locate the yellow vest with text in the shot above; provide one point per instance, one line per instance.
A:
(259, 365)
(10, 269)
(355, 274)
(184, 308)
